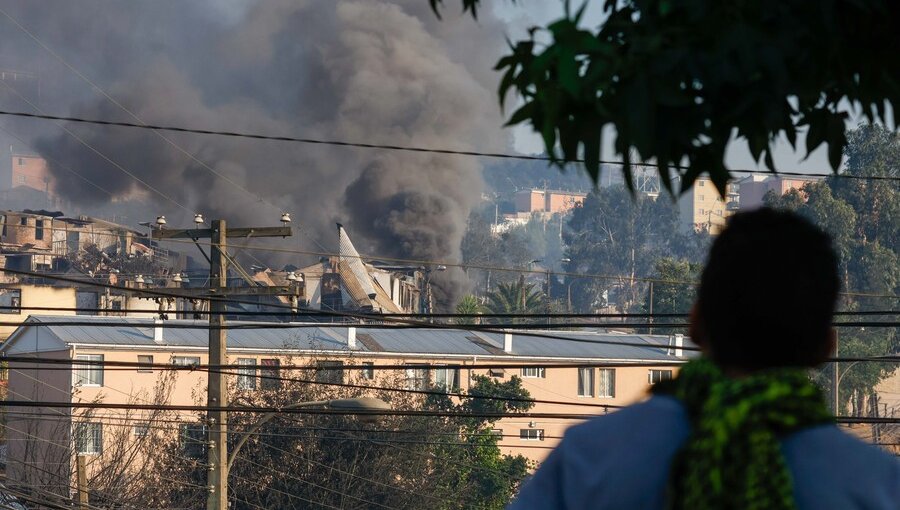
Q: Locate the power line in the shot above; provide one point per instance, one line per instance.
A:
(342, 412)
(427, 262)
(404, 148)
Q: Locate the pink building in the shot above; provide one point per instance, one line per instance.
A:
(753, 188)
(547, 201)
(454, 357)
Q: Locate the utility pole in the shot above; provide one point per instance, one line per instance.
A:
(837, 378)
(217, 388)
(217, 396)
(81, 468)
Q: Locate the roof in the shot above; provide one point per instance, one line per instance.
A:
(124, 333)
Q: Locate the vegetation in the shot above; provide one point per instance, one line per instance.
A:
(677, 79)
(861, 215)
(300, 460)
(516, 297)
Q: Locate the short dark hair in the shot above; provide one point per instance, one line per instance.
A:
(768, 291)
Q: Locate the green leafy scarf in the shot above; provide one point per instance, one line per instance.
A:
(733, 458)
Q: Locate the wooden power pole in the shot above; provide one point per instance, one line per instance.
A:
(217, 396)
(81, 474)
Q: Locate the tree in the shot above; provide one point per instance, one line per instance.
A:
(309, 460)
(678, 78)
(468, 305)
(615, 234)
(674, 290)
(516, 297)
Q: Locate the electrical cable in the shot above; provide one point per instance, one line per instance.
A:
(403, 148)
(421, 262)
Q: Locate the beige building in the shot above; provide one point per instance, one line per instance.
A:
(703, 208)
(454, 356)
(18, 299)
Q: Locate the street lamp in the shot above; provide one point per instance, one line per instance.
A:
(369, 406)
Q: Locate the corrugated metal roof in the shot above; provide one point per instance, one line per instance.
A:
(305, 337)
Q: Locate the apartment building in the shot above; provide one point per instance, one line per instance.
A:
(454, 357)
(753, 188)
(547, 201)
(703, 208)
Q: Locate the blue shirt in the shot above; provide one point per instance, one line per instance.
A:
(621, 461)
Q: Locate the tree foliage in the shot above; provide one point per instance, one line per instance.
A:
(516, 297)
(677, 79)
(621, 236)
(674, 288)
(861, 216)
(308, 460)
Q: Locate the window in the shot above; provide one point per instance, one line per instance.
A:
(3, 221)
(531, 434)
(656, 376)
(701, 198)
(447, 378)
(585, 382)
(23, 220)
(497, 433)
(141, 429)
(496, 372)
(269, 375)
(330, 372)
(701, 183)
(39, 230)
(22, 180)
(21, 161)
(145, 359)
(607, 388)
(89, 438)
(246, 375)
(192, 437)
(11, 301)
(534, 372)
(368, 371)
(416, 378)
(89, 375)
(186, 361)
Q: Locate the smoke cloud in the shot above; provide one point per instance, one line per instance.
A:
(375, 71)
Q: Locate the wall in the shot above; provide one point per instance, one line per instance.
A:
(31, 172)
(560, 384)
(38, 439)
(37, 295)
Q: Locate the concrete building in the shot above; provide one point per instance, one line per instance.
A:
(753, 188)
(27, 170)
(703, 208)
(454, 356)
(547, 201)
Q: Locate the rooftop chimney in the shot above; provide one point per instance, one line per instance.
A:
(351, 337)
(158, 331)
(679, 343)
(507, 342)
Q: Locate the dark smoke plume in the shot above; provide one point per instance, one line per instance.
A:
(378, 71)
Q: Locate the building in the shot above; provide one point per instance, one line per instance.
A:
(19, 300)
(27, 170)
(547, 201)
(753, 188)
(454, 357)
(703, 208)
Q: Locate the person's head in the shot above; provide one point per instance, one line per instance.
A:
(767, 293)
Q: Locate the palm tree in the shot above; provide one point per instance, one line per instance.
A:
(468, 305)
(517, 297)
